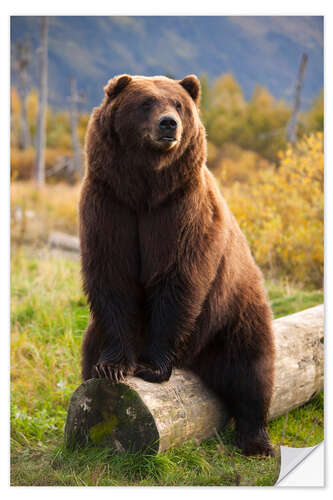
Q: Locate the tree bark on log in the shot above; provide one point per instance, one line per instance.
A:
(137, 415)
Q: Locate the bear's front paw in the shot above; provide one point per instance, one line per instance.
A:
(113, 365)
(114, 373)
(258, 444)
(155, 376)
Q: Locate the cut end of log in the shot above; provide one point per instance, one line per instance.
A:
(109, 415)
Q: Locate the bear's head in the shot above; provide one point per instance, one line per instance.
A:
(146, 140)
(155, 114)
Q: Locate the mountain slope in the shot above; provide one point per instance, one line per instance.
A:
(264, 50)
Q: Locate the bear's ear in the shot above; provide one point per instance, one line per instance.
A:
(116, 85)
(191, 84)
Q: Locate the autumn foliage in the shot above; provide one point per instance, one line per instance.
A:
(281, 209)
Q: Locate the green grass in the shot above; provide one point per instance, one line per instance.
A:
(48, 316)
(286, 300)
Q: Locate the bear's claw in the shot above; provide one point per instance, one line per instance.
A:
(111, 372)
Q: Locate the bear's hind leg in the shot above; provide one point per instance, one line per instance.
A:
(245, 386)
(247, 389)
(249, 401)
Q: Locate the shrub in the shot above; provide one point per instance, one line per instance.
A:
(22, 162)
(37, 212)
(281, 212)
(234, 164)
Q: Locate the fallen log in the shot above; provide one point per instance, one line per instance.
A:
(64, 241)
(137, 415)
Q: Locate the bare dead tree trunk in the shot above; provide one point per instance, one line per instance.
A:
(291, 129)
(22, 62)
(41, 128)
(74, 123)
(26, 141)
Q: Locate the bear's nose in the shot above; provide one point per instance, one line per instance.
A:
(167, 123)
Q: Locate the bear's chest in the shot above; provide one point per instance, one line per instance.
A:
(159, 235)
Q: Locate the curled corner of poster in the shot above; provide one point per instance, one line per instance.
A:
(302, 467)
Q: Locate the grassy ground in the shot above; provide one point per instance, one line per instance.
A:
(48, 317)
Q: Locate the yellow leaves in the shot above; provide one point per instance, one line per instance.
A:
(313, 119)
(32, 108)
(281, 211)
(262, 98)
(54, 208)
(15, 103)
(212, 152)
(237, 165)
(22, 162)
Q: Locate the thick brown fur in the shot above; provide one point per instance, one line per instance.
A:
(169, 276)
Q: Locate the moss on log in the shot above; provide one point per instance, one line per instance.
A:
(137, 415)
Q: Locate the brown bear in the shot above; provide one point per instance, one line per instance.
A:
(168, 274)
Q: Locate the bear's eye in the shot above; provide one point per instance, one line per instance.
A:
(147, 103)
(178, 106)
